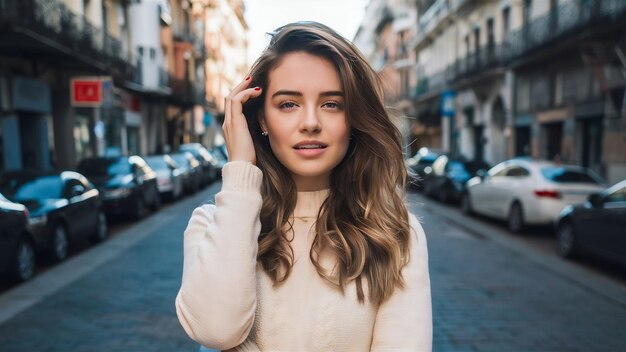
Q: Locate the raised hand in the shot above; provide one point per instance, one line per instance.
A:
(236, 134)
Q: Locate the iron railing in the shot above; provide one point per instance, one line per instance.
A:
(562, 22)
(53, 20)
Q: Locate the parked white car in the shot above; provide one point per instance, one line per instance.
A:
(528, 192)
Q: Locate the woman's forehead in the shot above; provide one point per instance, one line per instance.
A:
(303, 72)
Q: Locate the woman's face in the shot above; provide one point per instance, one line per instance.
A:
(305, 118)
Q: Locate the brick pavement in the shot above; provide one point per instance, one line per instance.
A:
(127, 304)
(485, 298)
(488, 298)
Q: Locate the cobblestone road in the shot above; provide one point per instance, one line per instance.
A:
(486, 297)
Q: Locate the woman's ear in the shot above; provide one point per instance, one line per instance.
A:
(261, 118)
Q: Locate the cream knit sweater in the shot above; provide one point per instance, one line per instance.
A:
(226, 301)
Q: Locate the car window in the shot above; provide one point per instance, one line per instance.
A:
(180, 159)
(157, 163)
(28, 188)
(517, 171)
(617, 196)
(565, 175)
(105, 166)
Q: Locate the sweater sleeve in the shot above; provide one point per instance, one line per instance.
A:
(217, 300)
(404, 321)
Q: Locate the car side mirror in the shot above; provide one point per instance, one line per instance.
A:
(76, 190)
(596, 200)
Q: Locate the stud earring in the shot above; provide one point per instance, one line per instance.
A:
(264, 133)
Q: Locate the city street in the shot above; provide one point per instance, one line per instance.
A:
(492, 291)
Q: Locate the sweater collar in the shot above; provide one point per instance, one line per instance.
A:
(309, 203)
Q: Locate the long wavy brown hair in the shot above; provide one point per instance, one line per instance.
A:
(364, 222)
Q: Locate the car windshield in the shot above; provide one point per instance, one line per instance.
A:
(565, 175)
(427, 159)
(105, 167)
(20, 188)
(157, 163)
(456, 167)
(180, 159)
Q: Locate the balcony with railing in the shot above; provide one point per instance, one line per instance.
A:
(564, 22)
(48, 27)
(149, 78)
(567, 20)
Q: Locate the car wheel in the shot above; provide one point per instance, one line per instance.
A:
(24, 263)
(102, 228)
(60, 243)
(140, 208)
(515, 221)
(466, 204)
(566, 240)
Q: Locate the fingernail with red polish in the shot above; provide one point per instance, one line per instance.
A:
(248, 78)
(257, 88)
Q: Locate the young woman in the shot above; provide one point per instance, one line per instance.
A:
(309, 246)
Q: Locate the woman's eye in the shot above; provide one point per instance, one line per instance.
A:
(332, 105)
(289, 105)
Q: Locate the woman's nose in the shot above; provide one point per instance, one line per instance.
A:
(310, 121)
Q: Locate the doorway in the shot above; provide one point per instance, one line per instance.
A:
(522, 141)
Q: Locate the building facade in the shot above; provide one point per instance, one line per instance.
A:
(506, 78)
(384, 38)
(82, 78)
(227, 52)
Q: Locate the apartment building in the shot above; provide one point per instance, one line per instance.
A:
(505, 78)
(384, 38)
(81, 78)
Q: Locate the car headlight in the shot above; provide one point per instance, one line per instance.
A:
(117, 193)
(38, 220)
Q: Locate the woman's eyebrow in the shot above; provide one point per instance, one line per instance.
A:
(287, 92)
(331, 93)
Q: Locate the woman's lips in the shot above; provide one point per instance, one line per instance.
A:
(310, 152)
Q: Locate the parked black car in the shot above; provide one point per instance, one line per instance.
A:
(210, 168)
(596, 227)
(419, 164)
(220, 158)
(17, 249)
(447, 176)
(63, 207)
(192, 171)
(128, 185)
(169, 175)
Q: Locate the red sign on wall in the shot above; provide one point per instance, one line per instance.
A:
(86, 92)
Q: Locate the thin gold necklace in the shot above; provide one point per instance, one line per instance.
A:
(303, 218)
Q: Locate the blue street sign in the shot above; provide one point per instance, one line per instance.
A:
(448, 103)
(208, 118)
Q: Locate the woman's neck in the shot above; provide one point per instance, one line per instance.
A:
(309, 203)
(311, 183)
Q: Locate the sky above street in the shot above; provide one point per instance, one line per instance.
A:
(264, 16)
